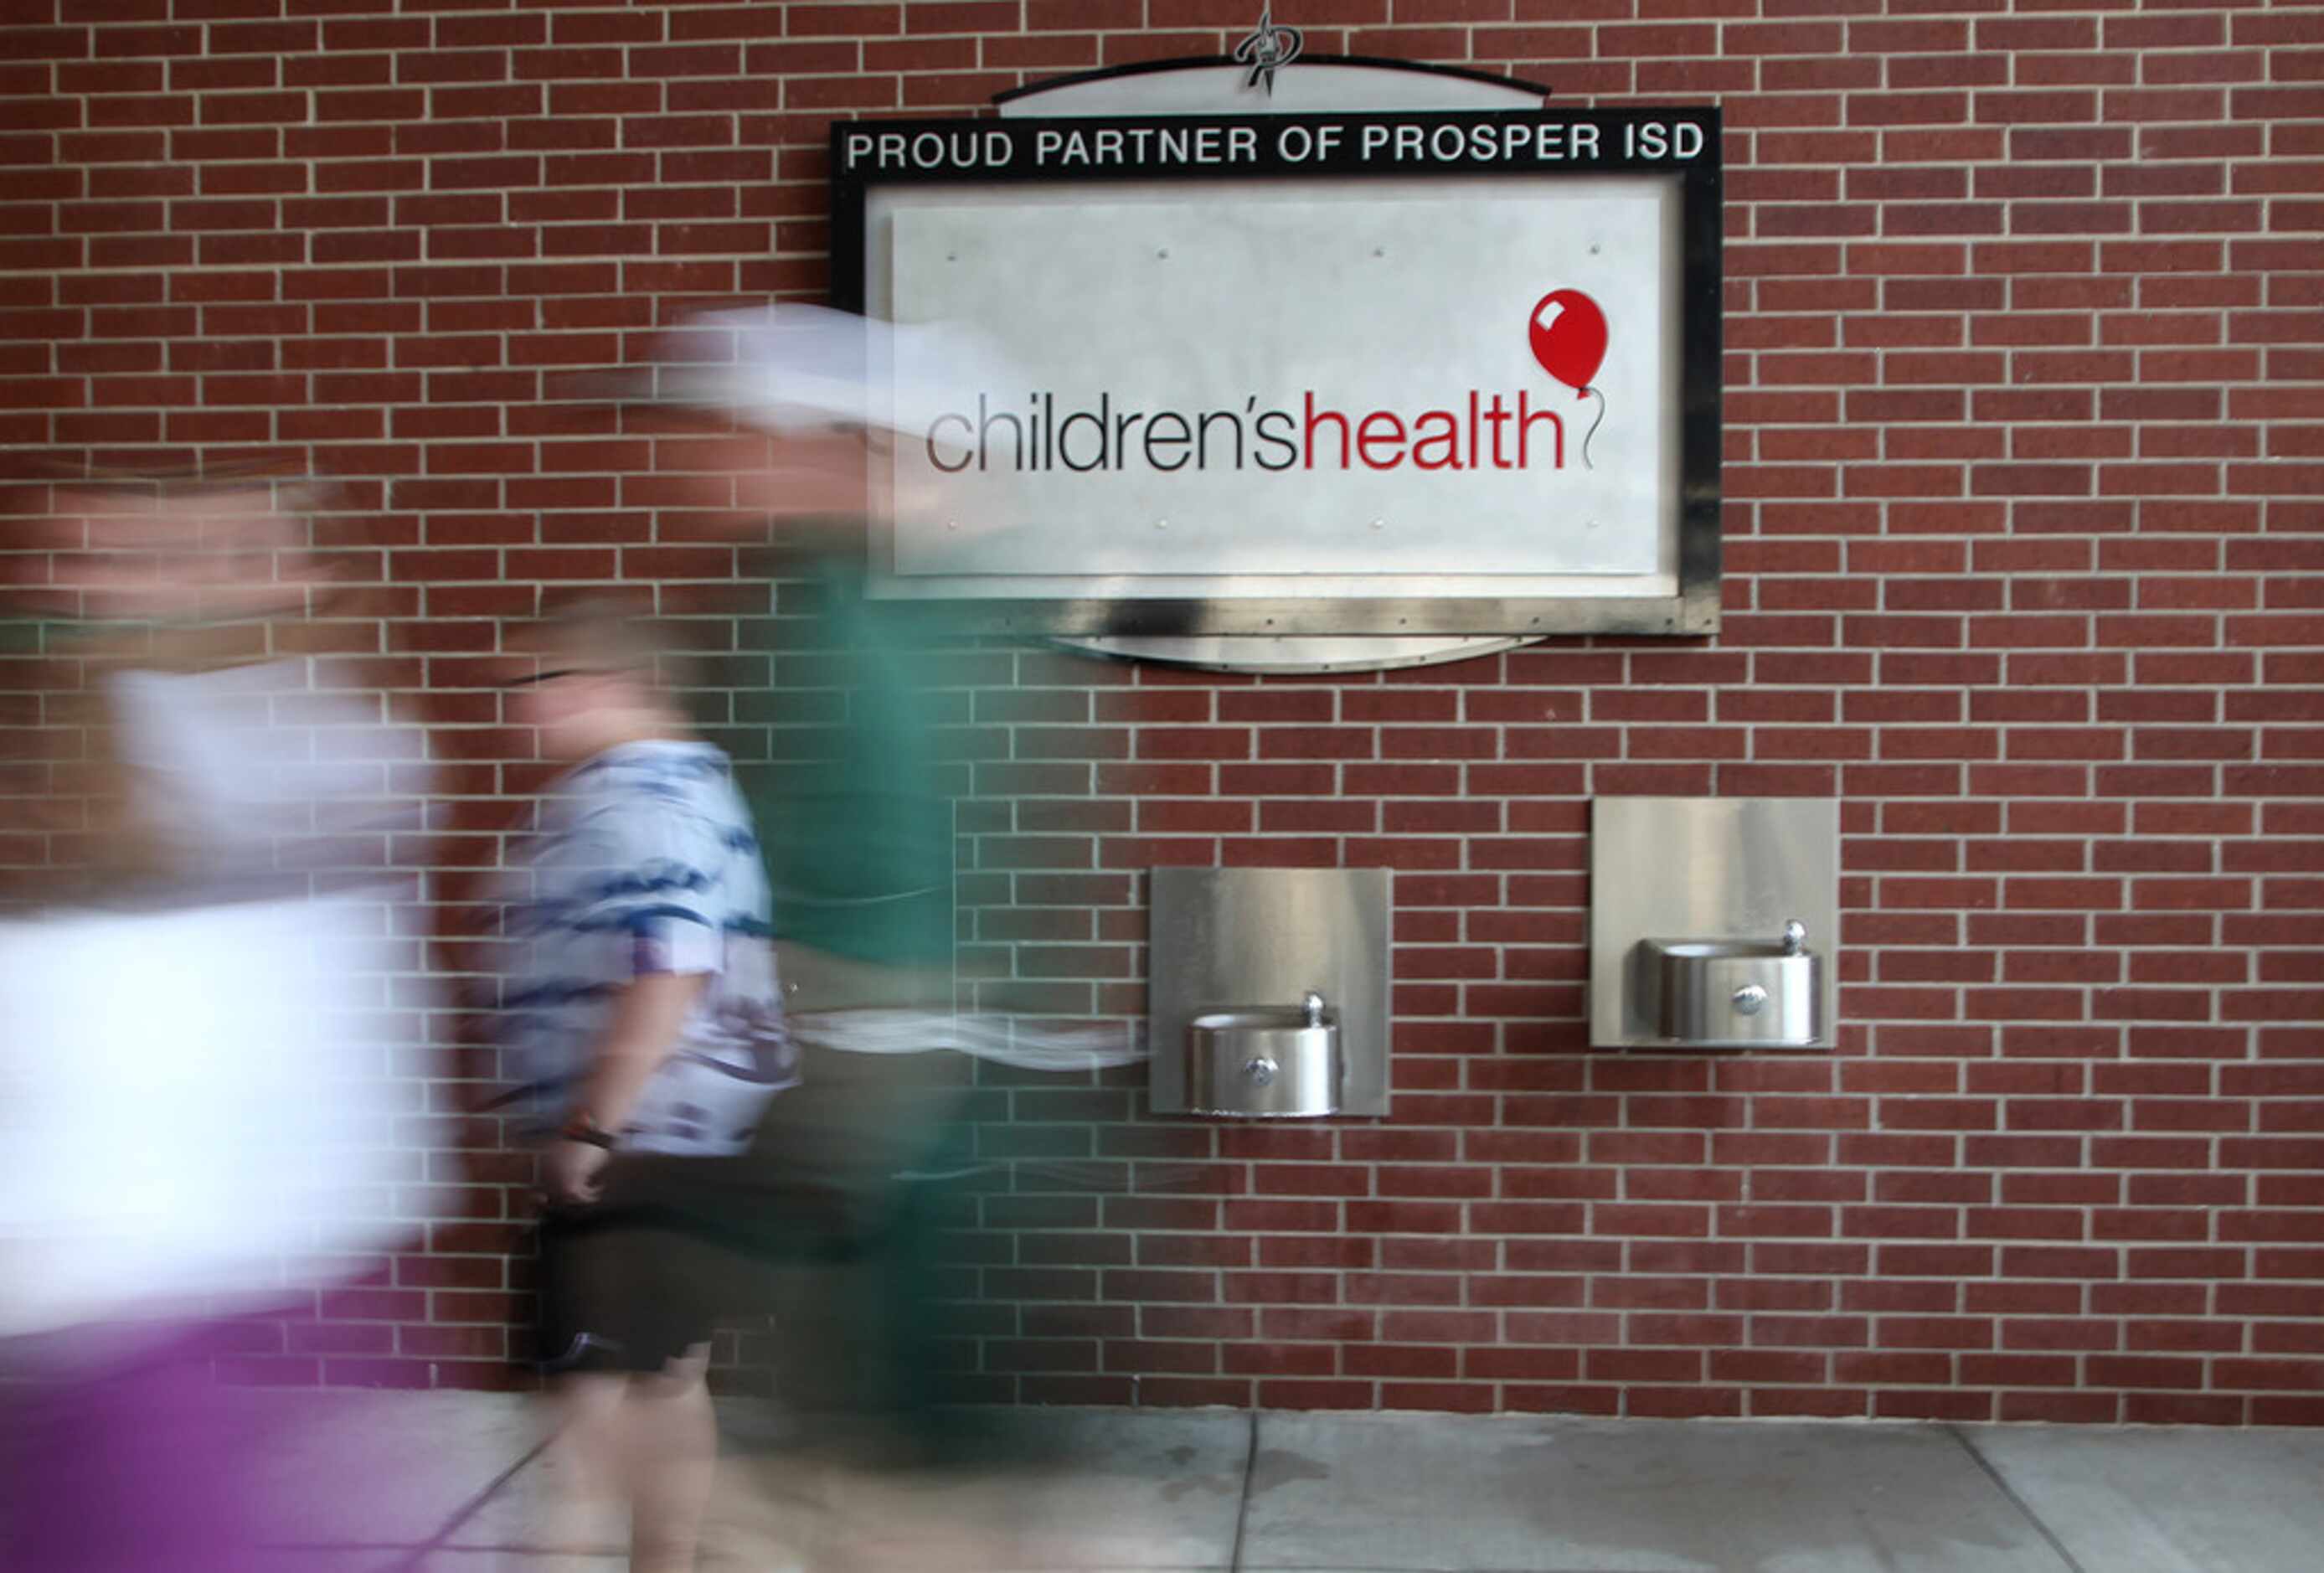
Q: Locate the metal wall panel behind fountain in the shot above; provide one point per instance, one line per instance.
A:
(1256, 941)
(1713, 923)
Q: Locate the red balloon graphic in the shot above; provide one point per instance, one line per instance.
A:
(1569, 337)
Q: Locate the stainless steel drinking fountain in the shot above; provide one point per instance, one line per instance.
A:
(1710, 922)
(1732, 993)
(1266, 1062)
(1268, 996)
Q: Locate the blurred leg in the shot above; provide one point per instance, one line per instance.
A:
(587, 1413)
(673, 1441)
(633, 1301)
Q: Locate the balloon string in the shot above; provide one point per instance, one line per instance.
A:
(1593, 425)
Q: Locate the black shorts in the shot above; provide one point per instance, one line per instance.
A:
(625, 1292)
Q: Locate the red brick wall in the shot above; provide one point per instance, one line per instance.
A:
(2025, 435)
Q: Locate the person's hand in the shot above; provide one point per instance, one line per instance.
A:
(574, 1171)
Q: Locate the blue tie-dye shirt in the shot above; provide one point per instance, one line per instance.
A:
(645, 862)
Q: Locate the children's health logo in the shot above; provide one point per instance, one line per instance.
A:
(1474, 430)
(1568, 332)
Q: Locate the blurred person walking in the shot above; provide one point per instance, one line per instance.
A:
(196, 1123)
(772, 427)
(642, 1003)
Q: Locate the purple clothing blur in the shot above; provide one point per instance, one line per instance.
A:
(135, 1463)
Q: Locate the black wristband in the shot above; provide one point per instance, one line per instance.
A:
(581, 1128)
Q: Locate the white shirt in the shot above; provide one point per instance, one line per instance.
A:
(645, 862)
(199, 1108)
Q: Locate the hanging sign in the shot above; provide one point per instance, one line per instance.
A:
(1377, 372)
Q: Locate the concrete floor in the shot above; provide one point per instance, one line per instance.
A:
(402, 1483)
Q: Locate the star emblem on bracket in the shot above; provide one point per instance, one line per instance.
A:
(1266, 50)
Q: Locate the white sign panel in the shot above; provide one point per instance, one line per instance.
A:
(1267, 387)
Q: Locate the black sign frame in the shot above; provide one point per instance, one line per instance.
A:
(1693, 610)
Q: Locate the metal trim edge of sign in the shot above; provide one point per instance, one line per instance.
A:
(1693, 611)
(1180, 63)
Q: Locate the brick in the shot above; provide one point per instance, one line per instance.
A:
(2029, 500)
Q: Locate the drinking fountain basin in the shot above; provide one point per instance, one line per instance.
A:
(1265, 1061)
(1731, 994)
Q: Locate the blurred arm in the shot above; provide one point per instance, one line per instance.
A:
(647, 1017)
